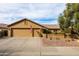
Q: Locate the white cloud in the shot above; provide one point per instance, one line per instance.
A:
(9, 12)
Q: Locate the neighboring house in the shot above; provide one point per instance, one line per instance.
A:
(28, 28)
(3, 26)
(3, 30)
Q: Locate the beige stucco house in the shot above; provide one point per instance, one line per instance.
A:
(28, 28)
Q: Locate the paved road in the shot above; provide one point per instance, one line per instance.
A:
(32, 47)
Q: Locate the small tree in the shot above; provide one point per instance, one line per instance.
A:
(70, 19)
(46, 31)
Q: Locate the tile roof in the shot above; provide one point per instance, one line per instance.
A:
(51, 26)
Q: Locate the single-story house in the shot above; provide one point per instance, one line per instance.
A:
(28, 28)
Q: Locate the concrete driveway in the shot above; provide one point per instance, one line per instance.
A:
(33, 47)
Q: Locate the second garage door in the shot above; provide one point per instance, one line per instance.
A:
(21, 33)
(36, 32)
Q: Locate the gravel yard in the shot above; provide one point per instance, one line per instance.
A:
(64, 42)
(32, 47)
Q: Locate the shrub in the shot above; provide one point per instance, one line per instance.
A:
(46, 31)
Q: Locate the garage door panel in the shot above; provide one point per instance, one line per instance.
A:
(22, 33)
(36, 33)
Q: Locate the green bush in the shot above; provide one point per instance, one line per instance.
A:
(46, 31)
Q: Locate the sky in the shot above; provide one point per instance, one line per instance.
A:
(43, 13)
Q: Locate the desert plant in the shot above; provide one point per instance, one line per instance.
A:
(46, 31)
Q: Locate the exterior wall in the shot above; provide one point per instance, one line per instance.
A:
(54, 35)
(9, 32)
(57, 36)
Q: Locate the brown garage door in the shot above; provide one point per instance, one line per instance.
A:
(21, 33)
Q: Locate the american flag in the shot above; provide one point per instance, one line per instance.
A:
(30, 28)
